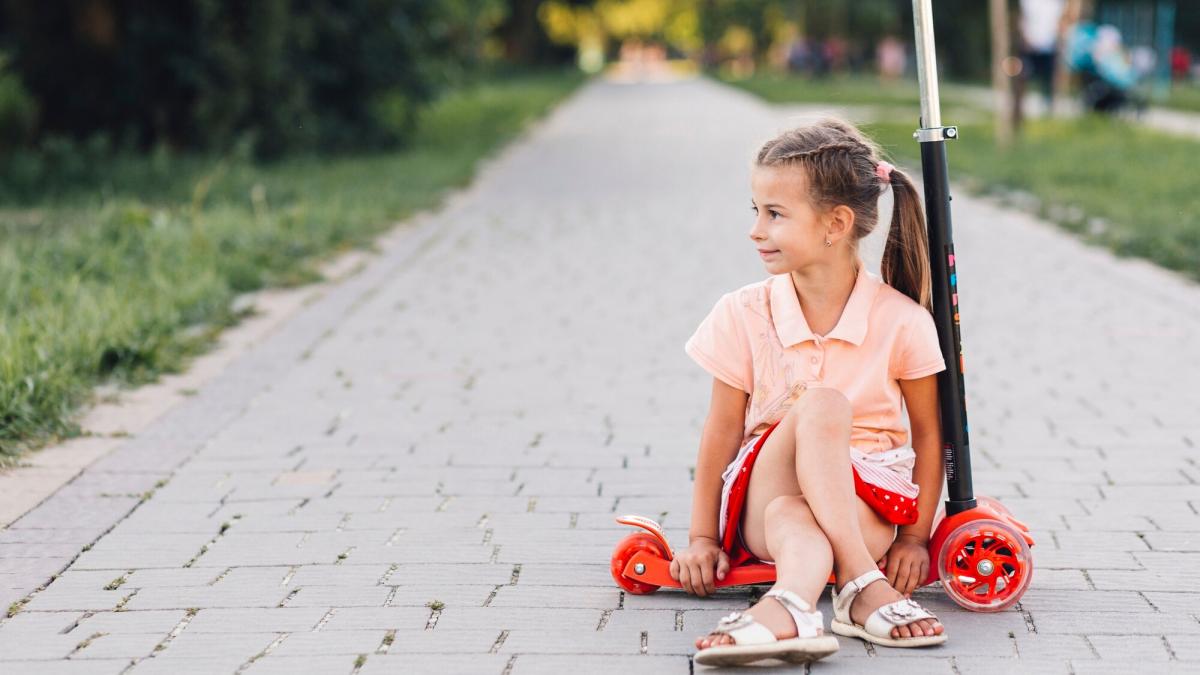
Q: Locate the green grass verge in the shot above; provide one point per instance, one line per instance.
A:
(841, 90)
(1114, 183)
(1185, 97)
(129, 277)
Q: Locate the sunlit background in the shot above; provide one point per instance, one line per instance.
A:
(158, 159)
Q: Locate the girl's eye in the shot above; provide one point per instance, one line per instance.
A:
(773, 212)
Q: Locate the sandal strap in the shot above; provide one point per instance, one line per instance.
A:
(899, 613)
(744, 629)
(843, 598)
(809, 621)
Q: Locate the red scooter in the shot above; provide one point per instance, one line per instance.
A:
(981, 553)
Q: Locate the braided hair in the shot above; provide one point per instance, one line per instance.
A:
(840, 162)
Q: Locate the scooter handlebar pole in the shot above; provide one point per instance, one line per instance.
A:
(931, 113)
(951, 391)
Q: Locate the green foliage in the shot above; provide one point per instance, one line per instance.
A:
(1115, 184)
(844, 90)
(1184, 97)
(276, 75)
(18, 110)
(130, 277)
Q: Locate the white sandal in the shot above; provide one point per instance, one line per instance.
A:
(754, 641)
(878, 628)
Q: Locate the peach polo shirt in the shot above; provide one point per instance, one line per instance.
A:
(757, 339)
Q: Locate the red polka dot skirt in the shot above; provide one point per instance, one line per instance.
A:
(895, 508)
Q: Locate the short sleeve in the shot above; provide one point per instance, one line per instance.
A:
(721, 345)
(920, 352)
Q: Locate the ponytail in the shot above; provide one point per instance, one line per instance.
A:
(905, 264)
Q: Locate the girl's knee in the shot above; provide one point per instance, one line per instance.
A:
(822, 406)
(790, 508)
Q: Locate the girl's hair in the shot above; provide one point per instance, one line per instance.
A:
(840, 163)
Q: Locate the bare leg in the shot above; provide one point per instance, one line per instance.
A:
(803, 559)
(826, 480)
(779, 525)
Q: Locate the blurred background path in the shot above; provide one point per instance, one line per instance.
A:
(420, 471)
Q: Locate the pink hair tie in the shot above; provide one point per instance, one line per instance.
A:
(884, 171)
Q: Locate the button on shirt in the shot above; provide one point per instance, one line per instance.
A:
(757, 339)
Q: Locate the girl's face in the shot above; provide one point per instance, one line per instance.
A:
(788, 231)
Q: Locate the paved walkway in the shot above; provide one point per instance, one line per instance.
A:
(419, 473)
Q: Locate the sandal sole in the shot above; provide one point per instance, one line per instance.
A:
(849, 630)
(791, 650)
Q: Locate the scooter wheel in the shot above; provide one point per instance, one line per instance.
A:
(985, 565)
(625, 550)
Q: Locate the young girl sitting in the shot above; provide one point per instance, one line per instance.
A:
(811, 369)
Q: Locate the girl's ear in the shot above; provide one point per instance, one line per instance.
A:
(840, 221)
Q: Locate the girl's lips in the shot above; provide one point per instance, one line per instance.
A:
(767, 254)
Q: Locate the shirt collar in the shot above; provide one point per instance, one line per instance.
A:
(791, 326)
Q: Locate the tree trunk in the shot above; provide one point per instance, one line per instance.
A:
(1001, 89)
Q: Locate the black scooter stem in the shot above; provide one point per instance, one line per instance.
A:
(934, 170)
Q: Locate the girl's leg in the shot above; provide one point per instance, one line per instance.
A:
(802, 556)
(819, 418)
(826, 480)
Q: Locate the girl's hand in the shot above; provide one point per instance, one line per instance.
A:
(907, 563)
(694, 566)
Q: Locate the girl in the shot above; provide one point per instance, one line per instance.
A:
(811, 368)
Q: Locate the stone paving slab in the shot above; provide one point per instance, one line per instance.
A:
(419, 471)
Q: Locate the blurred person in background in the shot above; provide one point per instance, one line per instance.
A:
(892, 58)
(1039, 28)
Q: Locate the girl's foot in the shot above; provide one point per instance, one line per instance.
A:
(753, 640)
(877, 594)
(770, 612)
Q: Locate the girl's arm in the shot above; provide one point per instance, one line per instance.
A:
(908, 559)
(721, 440)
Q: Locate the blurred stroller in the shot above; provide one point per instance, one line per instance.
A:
(1110, 81)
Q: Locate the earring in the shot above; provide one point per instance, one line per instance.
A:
(828, 243)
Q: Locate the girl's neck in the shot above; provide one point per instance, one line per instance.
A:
(823, 291)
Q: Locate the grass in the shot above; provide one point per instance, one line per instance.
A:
(127, 276)
(1112, 182)
(841, 89)
(1185, 97)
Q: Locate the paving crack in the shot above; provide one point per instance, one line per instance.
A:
(75, 624)
(289, 596)
(1170, 650)
(269, 648)
(324, 619)
(386, 644)
(179, 628)
(84, 644)
(125, 600)
(291, 574)
(436, 611)
(498, 642)
(1030, 626)
(118, 582)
